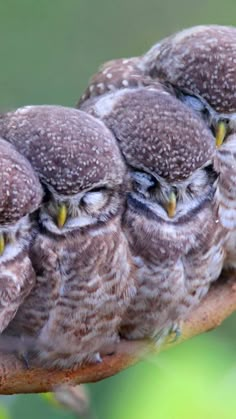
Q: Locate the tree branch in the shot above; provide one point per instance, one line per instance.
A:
(216, 307)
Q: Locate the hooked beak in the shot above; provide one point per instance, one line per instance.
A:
(2, 243)
(171, 205)
(61, 215)
(221, 131)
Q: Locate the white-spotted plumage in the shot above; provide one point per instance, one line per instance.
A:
(202, 59)
(115, 75)
(20, 195)
(171, 221)
(80, 255)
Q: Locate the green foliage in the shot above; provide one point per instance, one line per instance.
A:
(4, 413)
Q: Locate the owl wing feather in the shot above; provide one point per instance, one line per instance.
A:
(225, 164)
(14, 288)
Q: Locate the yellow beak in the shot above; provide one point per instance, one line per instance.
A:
(171, 205)
(61, 215)
(221, 131)
(2, 243)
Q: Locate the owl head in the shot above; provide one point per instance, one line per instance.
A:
(115, 75)
(202, 59)
(76, 159)
(20, 194)
(167, 148)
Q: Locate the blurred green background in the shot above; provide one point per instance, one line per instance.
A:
(48, 51)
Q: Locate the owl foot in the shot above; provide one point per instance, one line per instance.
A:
(168, 335)
(174, 333)
(20, 346)
(160, 337)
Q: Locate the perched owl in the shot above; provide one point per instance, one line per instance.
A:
(115, 75)
(21, 194)
(203, 59)
(81, 257)
(170, 221)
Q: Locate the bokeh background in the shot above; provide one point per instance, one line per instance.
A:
(48, 51)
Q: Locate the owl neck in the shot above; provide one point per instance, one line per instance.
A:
(77, 225)
(140, 221)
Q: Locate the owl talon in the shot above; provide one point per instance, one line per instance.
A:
(174, 333)
(160, 337)
(167, 336)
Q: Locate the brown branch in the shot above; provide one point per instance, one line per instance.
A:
(217, 306)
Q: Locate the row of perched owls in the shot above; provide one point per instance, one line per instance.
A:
(117, 217)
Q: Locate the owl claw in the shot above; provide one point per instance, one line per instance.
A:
(174, 333)
(160, 337)
(168, 335)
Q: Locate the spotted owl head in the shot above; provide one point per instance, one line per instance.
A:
(167, 147)
(115, 75)
(76, 159)
(20, 195)
(203, 59)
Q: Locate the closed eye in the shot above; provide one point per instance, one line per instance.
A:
(191, 190)
(204, 178)
(95, 198)
(143, 181)
(98, 189)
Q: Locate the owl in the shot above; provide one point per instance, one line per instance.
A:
(170, 220)
(203, 59)
(115, 75)
(21, 195)
(80, 255)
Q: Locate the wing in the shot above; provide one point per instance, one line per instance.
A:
(15, 285)
(225, 164)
